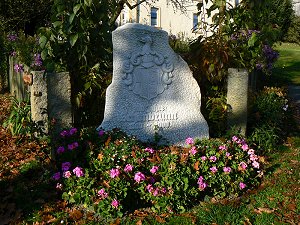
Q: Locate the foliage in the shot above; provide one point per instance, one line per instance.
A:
(293, 33)
(269, 110)
(19, 121)
(118, 174)
(24, 15)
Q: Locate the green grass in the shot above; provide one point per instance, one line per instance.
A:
(287, 68)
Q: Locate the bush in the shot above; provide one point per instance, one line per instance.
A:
(293, 34)
(118, 174)
(269, 112)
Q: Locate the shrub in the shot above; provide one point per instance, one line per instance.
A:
(119, 174)
(293, 34)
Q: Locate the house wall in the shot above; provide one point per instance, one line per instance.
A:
(296, 4)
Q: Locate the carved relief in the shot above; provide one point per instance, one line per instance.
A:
(147, 73)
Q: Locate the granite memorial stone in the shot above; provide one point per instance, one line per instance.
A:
(152, 89)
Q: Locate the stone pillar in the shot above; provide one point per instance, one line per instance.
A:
(59, 100)
(39, 100)
(237, 98)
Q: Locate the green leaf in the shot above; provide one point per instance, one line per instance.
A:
(71, 18)
(88, 2)
(44, 54)
(252, 40)
(76, 8)
(73, 39)
(57, 24)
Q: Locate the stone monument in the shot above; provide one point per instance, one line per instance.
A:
(152, 89)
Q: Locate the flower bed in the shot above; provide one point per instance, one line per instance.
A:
(111, 173)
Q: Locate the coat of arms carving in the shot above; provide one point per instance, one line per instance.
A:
(146, 72)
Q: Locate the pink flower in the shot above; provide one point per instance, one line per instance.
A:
(245, 147)
(150, 150)
(155, 192)
(114, 173)
(193, 150)
(138, 177)
(78, 171)
(67, 174)
(102, 193)
(60, 150)
(203, 158)
(189, 141)
(251, 152)
(115, 203)
(227, 154)
(73, 131)
(242, 185)
(227, 169)
(154, 169)
(201, 184)
(101, 133)
(235, 139)
(18, 68)
(243, 165)
(213, 169)
(255, 164)
(149, 188)
(128, 168)
(223, 147)
(56, 176)
(253, 157)
(59, 186)
(213, 158)
(65, 166)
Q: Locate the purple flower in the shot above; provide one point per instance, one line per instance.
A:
(60, 149)
(73, 131)
(138, 177)
(13, 53)
(67, 174)
(213, 169)
(213, 158)
(128, 168)
(114, 173)
(150, 150)
(101, 133)
(37, 60)
(227, 169)
(193, 150)
(78, 171)
(12, 37)
(56, 176)
(102, 193)
(152, 180)
(73, 146)
(64, 133)
(242, 185)
(18, 68)
(189, 141)
(115, 203)
(65, 166)
(154, 169)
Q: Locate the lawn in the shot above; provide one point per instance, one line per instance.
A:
(287, 68)
(27, 197)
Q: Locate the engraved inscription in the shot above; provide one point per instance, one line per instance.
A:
(147, 73)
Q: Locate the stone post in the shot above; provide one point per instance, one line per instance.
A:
(237, 98)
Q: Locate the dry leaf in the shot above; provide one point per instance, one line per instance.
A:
(100, 157)
(196, 165)
(107, 141)
(140, 222)
(263, 210)
(76, 214)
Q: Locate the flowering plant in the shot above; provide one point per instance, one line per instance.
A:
(117, 173)
(25, 49)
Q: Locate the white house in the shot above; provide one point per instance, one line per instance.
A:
(185, 22)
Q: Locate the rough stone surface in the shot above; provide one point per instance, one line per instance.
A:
(152, 89)
(59, 100)
(39, 100)
(237, 98)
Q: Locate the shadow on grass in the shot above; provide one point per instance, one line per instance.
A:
(283, 75)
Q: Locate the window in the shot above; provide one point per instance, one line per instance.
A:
(154, 16)
(195, 22)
